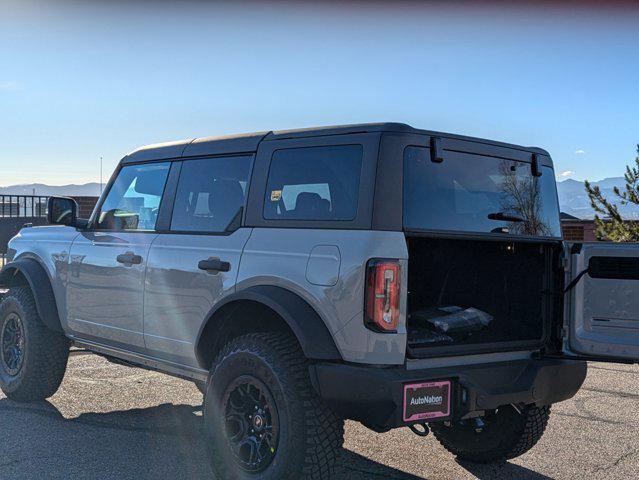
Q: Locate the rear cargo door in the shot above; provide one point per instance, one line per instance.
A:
(602, 303)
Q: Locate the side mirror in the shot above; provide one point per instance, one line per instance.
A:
(62, 211)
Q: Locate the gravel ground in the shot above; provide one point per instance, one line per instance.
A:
(115, 422)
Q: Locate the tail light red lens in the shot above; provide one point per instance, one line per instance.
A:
(383, 279)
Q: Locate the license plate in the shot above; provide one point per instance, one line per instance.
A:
(428, 400)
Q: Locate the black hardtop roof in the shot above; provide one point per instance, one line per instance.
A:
(248, 142)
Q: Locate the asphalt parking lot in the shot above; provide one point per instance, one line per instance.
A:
(114, 422)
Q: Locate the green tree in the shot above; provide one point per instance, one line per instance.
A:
(609, 222)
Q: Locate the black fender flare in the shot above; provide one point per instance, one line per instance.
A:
(40, 285)
(312, 333)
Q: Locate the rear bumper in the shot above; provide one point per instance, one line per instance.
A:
(374, 396)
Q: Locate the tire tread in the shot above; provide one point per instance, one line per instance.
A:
(47, 355)
(323, 434)
(520, 438)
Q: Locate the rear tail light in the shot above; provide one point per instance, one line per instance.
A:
(382, 294)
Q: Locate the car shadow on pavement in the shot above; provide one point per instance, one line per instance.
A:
(502, 470)
(165, 441)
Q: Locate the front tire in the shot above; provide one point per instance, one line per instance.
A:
(507, 433)
(262, 415)
(33, 359)
(201, 386)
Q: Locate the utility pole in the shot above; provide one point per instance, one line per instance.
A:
(100, 175)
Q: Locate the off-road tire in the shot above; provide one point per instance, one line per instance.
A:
(45, 352)
(506, 435)
(201, 386)
(310, 435)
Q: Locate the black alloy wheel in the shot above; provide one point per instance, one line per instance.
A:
(12, 342)
(251, 423)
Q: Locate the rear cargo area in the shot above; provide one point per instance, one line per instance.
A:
(467, 296)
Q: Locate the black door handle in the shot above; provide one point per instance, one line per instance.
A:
(129, 258)
(214, 265)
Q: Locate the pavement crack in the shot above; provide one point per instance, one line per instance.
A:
(589, 418)
(616, 463)
(617, 370)
(616, 393)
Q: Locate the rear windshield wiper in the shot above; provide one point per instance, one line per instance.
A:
(505, 217)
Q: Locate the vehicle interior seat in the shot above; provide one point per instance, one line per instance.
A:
(311, 205)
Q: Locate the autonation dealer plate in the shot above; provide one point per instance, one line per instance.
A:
(425, 401)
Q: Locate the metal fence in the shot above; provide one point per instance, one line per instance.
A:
(23, 206)
(17, 210)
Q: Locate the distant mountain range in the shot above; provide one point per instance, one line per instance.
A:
(573, 198)
(86, 190)
(572, 194)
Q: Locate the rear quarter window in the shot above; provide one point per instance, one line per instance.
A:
(314, 183)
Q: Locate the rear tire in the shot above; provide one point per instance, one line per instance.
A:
(507, 434)
(33, 358)
(297, 436)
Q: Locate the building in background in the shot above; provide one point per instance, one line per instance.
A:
(85, 205)
(577, 230)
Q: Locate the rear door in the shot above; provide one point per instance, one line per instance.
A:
(602, 305)
(194, 263)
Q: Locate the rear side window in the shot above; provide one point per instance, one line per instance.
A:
(210, 194)
(314, 183)
(474, 193)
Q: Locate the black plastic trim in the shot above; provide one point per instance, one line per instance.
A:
(167, 201)
(41, 288)
(309, 328)
(614, 268)
(493, 237)
(374, 396)
(587, 358)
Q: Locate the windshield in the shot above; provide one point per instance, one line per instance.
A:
(473, 193)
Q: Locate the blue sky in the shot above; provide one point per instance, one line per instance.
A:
(80, 81)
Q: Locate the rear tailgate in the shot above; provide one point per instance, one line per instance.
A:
(602, 309)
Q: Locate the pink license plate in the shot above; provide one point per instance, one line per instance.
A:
(428, 400)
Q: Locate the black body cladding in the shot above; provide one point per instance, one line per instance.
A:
(39, 283)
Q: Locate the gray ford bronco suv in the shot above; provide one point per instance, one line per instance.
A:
(379, 273)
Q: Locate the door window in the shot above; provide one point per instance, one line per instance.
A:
(316, 183)
(210, 194)
(133, 201)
